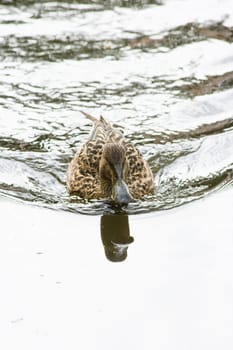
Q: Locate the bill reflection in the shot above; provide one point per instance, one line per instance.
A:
(115, 236)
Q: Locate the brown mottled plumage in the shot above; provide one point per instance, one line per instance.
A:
(108, 165)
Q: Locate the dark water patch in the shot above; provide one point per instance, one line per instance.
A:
(192, 32)
(198, 133)
(209, 85)
(183, 35)
(75, 46)
(19, 145)
(216, 31)
(68, 46)
(104, 3)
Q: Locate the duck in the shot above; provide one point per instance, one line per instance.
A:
(108, 166)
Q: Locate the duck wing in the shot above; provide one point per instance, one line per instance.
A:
(83, 172)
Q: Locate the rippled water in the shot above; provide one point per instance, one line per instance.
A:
(160, 70)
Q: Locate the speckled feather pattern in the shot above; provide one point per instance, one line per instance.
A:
(83, 173)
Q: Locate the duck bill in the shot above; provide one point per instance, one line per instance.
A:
(121, 194)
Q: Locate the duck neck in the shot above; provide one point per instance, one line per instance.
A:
(106, 187)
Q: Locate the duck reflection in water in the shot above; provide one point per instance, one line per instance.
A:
(115, 236)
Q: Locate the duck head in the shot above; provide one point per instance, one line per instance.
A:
(114, 172)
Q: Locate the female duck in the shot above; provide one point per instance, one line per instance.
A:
(109, 166)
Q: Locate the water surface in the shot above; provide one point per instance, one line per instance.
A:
(165, 79)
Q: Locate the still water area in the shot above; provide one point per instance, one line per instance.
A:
(165, 80)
